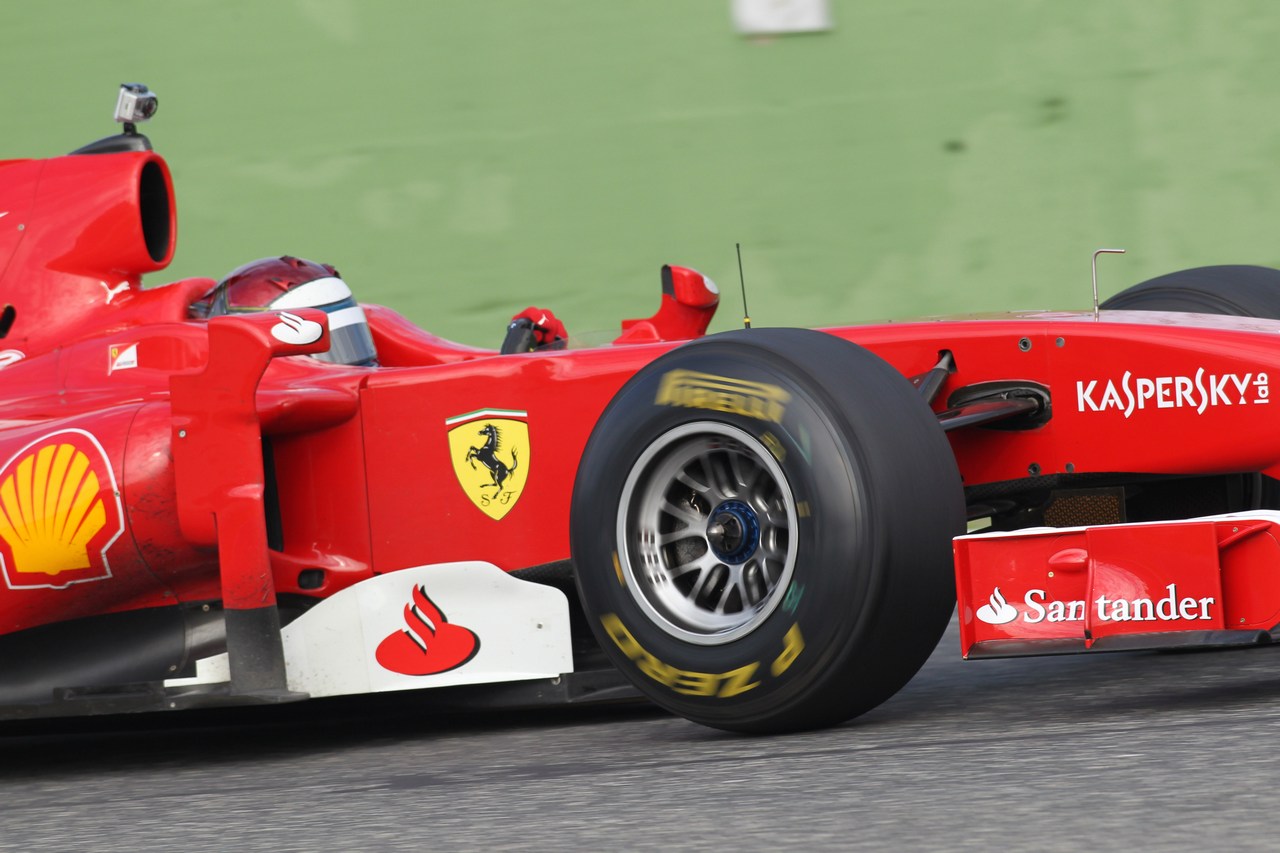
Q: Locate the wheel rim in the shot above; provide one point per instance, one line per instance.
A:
(706, 533)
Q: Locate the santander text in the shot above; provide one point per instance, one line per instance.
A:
(1170, 608)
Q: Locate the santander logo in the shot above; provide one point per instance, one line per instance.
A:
(292, 329)
(998, 611)
(429, 644)
(1174, 606)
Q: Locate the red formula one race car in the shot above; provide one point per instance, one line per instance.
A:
(259, 490)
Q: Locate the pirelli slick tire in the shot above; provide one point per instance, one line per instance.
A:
(761, 530)
(1234, 290)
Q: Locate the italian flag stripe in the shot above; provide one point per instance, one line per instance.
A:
(485, 413)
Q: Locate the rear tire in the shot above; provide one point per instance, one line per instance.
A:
(1233, 290)
(761, 530)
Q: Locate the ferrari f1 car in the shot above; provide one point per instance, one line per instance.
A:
(259, 490)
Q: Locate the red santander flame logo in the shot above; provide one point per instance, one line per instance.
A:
(429, 644)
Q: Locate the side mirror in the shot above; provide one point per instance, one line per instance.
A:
(689, 301)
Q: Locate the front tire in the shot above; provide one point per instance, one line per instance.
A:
(761, 530)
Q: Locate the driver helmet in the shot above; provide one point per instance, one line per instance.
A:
(270, 284)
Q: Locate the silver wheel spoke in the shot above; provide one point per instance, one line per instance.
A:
(744, 473)
(775, 514)
(696, 485)
(716, 472)
(770, 548)
(734, 584)
(680, 536)
(700, 590)
(703, 564)
(685, 514)
(719, 476)
(705, 531)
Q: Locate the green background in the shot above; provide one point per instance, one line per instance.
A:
(460, 160)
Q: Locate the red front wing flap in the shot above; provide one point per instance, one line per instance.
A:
(1211, 580)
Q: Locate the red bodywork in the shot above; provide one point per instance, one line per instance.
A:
(170, 414)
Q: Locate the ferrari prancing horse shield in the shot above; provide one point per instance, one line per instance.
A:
(490, 453)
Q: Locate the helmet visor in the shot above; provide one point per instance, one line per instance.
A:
(350, 341)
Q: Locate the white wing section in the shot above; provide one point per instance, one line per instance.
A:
(488, 627)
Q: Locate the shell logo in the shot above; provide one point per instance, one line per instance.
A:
(59, 512)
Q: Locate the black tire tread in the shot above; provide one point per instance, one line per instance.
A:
(1235, 290)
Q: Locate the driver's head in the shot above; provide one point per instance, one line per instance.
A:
(287, 282)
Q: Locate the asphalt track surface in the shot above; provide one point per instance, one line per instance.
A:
(1136, 751)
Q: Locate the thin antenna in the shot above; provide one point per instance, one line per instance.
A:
(746, 316)
(1095, 276)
